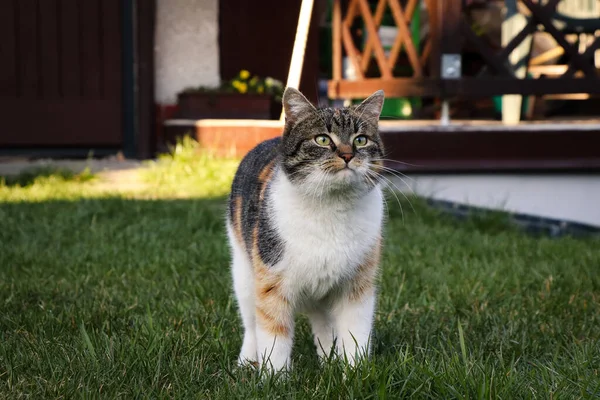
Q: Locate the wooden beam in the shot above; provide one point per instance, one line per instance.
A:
(464, 147)
(485, 87)
(297, 61)
(337, 40)
(397, 87)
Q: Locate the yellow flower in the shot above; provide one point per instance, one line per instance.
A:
(236, 85)
(260, 89)
(244, 74)
(243, 88)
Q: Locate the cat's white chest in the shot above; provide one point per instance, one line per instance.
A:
(324, 242)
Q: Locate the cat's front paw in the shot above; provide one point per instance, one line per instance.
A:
(269, 371)
(248, 352)
(275, 364)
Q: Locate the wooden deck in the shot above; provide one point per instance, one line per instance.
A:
(492, 146)
(428, 146)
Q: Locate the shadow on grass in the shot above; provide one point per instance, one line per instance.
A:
(32, 175)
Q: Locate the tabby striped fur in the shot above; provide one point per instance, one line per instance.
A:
(304, 224)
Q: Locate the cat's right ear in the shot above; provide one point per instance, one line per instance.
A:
(295, 106)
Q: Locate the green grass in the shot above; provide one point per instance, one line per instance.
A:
(127, 294)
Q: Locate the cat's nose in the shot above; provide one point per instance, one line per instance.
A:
(346, 157)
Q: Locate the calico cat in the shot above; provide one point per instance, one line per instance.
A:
(304, 224)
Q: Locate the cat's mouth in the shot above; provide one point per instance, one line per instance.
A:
(342, 169)
(346, 172)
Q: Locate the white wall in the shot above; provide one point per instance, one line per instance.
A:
(187, 48)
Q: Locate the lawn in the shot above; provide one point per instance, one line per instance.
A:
(108, 292)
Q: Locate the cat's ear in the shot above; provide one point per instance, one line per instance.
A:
(370, 108)
(295, 106)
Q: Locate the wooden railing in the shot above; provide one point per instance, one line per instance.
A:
(449, 30)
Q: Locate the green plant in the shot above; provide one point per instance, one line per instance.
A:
(244, 82)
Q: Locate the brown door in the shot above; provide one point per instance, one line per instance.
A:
(60, 73)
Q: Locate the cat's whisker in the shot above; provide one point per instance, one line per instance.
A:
(325, 176)
(399, 190)
(315, 188)
(319, 187)
(395, 174)
(317, 192)
(400, 162)
(381, 195)
(396, 171)
(390, 189)
(389, 185)
(391, 169)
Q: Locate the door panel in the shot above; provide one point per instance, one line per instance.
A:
(61, 74)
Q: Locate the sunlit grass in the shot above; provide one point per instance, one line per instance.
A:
(186, 172)
(114, 293)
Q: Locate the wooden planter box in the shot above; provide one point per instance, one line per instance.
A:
(228, 106)
(229, 138)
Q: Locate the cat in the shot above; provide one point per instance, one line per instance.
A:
(304, 225)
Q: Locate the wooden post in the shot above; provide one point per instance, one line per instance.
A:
(297, 60)
(337, 40)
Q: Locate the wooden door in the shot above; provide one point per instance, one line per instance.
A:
(61, 73)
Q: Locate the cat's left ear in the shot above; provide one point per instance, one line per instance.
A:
(295, 106)
(370, 108)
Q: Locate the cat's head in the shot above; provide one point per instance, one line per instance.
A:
(328, 150)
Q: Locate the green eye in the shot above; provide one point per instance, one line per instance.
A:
(360, 141)
(323, 140)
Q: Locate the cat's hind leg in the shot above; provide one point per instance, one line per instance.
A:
(243, 285)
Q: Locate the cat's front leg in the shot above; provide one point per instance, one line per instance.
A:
(353, 324)
(354, 310)
(323, 332)
(274, 326)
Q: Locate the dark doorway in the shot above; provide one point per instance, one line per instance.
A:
(75, 76)
(61, 74)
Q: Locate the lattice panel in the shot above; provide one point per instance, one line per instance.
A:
(373, 46)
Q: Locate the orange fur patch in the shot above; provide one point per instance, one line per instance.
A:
(237, 220)
(272, 308)
(271, 324)
(364, 280)
(266, 172)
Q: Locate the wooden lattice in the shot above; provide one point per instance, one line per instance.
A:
(360, 59)
(448, 28)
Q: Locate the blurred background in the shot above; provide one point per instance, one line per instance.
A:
(492, 103)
